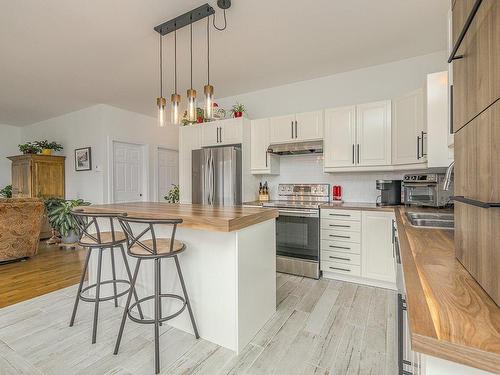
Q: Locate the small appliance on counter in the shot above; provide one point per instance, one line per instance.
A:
(426, 189)
(390, 192)
(337, 193)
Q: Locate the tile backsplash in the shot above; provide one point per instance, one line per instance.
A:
(356, 186)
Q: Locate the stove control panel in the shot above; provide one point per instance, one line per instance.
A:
(304, 190)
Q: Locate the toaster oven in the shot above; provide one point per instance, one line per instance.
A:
(425, 189)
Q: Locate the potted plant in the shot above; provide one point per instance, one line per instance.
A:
(60, 218)
(173, 194)
(47, 147)
(6, 192)
(238, 110)
(29, 148)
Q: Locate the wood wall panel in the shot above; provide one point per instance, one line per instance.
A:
(477, 244)
(476, 76)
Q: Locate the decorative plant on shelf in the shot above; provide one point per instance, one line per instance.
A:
(30, 148)
(173, 194)
(59, 215)
(238, 110)
(47, 147)
(6, 192)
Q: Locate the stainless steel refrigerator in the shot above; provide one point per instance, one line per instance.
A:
(216, 176)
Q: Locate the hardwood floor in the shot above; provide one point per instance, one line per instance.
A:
(320, 327)
(51, 269)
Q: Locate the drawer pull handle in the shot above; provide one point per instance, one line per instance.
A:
(339, 236)
(332, 257)
(340, 269)
(340, 247)
(341, 226)
(343, 215)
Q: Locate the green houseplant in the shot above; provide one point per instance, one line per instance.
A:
(47, 147)
(59, 215)
(29, 148)
(238, 110)
(6, 192)
(173, 194)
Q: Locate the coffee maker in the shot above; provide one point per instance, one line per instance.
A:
(390, 192)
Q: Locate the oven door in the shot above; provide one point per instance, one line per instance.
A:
(420, 194)
(297, 234)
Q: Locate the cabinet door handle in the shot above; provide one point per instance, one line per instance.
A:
(422, 153)
(339, 247)
(296, 129)
(266, 158)
(418, 147)
(358, 153)
(341, 226)
(339, 236)
(332, 257)
(343, 215)
(217, 135)
(291, 126)
(220, 134)
(340, 269)
(353, 153)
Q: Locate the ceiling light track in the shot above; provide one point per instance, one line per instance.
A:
(185, 19)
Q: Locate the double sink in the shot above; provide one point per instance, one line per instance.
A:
(431, 220)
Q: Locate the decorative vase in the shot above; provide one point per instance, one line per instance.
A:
(46, 151)
(199, 120)
(238, 114)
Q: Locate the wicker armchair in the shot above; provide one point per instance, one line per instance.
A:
(20, 222)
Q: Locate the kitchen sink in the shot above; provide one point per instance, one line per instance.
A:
(431, 220)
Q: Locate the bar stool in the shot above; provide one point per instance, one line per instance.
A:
(156, 249)
(93, 238)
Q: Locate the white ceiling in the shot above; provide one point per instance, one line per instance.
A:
(57, 56)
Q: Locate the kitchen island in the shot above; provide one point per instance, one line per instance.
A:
(229, 268)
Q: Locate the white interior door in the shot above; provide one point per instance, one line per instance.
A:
(128, 172)
(168, 171)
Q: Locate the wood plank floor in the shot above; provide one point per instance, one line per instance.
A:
(51, 269)
(320, 327)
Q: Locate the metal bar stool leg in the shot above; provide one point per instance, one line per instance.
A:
(159, 285)
(129, 274)
(186, 297)
(80, 287)
(157, 315)
(125, 312)
(97, 290)
(112, 250)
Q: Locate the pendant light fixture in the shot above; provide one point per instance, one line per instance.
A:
(161, 102)
(191, 93)
(175, 98)
(208, 89)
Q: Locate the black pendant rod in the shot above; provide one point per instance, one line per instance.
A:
(161, 67)
(175, 61)
(208, 51)
(191, 50)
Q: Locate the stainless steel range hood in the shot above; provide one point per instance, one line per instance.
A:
(298, 148)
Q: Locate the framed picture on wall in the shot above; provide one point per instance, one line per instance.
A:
(83, 159)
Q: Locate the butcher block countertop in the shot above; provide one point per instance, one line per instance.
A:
(219, 219)
(450, 315)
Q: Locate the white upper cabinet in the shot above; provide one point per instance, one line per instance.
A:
(307, 126)
(261, 162)
(409, 144)
(282, 129)
(223, 132)
(373, 133)
(339, 137)
(377, 260)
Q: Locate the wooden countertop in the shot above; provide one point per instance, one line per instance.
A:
(219, 219)
(450, 315)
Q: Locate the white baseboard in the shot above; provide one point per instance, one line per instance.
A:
(360, 280)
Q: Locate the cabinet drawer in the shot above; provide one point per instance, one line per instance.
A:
(343, 225)
(336, 267)
(340, 235)
(346, 247)
(337, 256)
(350, 215)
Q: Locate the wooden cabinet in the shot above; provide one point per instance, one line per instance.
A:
(377, 260)
(261, 162)
(476, 76)
(373, 133)
(307, 126)
(223, 132)
(38, 176)
(189, 140)
(340, 137)
(408, 129)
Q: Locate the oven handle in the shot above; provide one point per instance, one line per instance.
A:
(299, 213)
(419, 184)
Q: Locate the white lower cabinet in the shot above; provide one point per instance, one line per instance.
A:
(357, 246)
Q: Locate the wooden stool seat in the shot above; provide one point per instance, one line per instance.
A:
(106, 239)
(162, 247)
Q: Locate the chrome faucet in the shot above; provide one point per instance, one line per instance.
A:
(447, 177)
